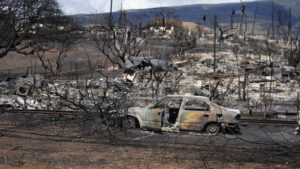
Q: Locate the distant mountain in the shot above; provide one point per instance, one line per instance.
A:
(293, 4)
(195, 13)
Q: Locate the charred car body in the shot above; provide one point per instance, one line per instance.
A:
(184, 113)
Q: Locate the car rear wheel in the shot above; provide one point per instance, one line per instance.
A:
(213, 128)
(129, 123)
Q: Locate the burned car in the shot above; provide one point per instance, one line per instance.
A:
(183, 113)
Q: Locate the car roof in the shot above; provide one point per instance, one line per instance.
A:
(190, 97)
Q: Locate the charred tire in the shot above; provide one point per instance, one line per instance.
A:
(213, 128)
(3, 108)
(129, 123)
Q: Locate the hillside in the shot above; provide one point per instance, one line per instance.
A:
(294, 4)
(194, 13)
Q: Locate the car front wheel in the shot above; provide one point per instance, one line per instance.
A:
(129, 123)
(213, 128)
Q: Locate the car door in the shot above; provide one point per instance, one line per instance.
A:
(153, 117)
(195, 114)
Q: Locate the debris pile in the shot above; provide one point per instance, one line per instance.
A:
(35, 93)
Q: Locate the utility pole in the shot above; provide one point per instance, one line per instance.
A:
(215, 42)
(110, 15)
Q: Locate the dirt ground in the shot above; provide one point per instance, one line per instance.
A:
(52, 142)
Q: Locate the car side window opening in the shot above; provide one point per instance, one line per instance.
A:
(161, 105)
(171, 112)
(196, 104)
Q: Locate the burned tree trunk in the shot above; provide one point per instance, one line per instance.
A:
(254, 21)
(215, 41)
(272, 16)
(289, 28)
(231, 18)
(242, 13)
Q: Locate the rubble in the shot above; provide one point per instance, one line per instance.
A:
(193, 75)
(249, 75)
(35, 93)
(253, 79)
(145, 63)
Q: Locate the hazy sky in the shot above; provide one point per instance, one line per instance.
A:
(98, 6)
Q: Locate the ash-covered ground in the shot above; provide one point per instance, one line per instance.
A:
(38, 141)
